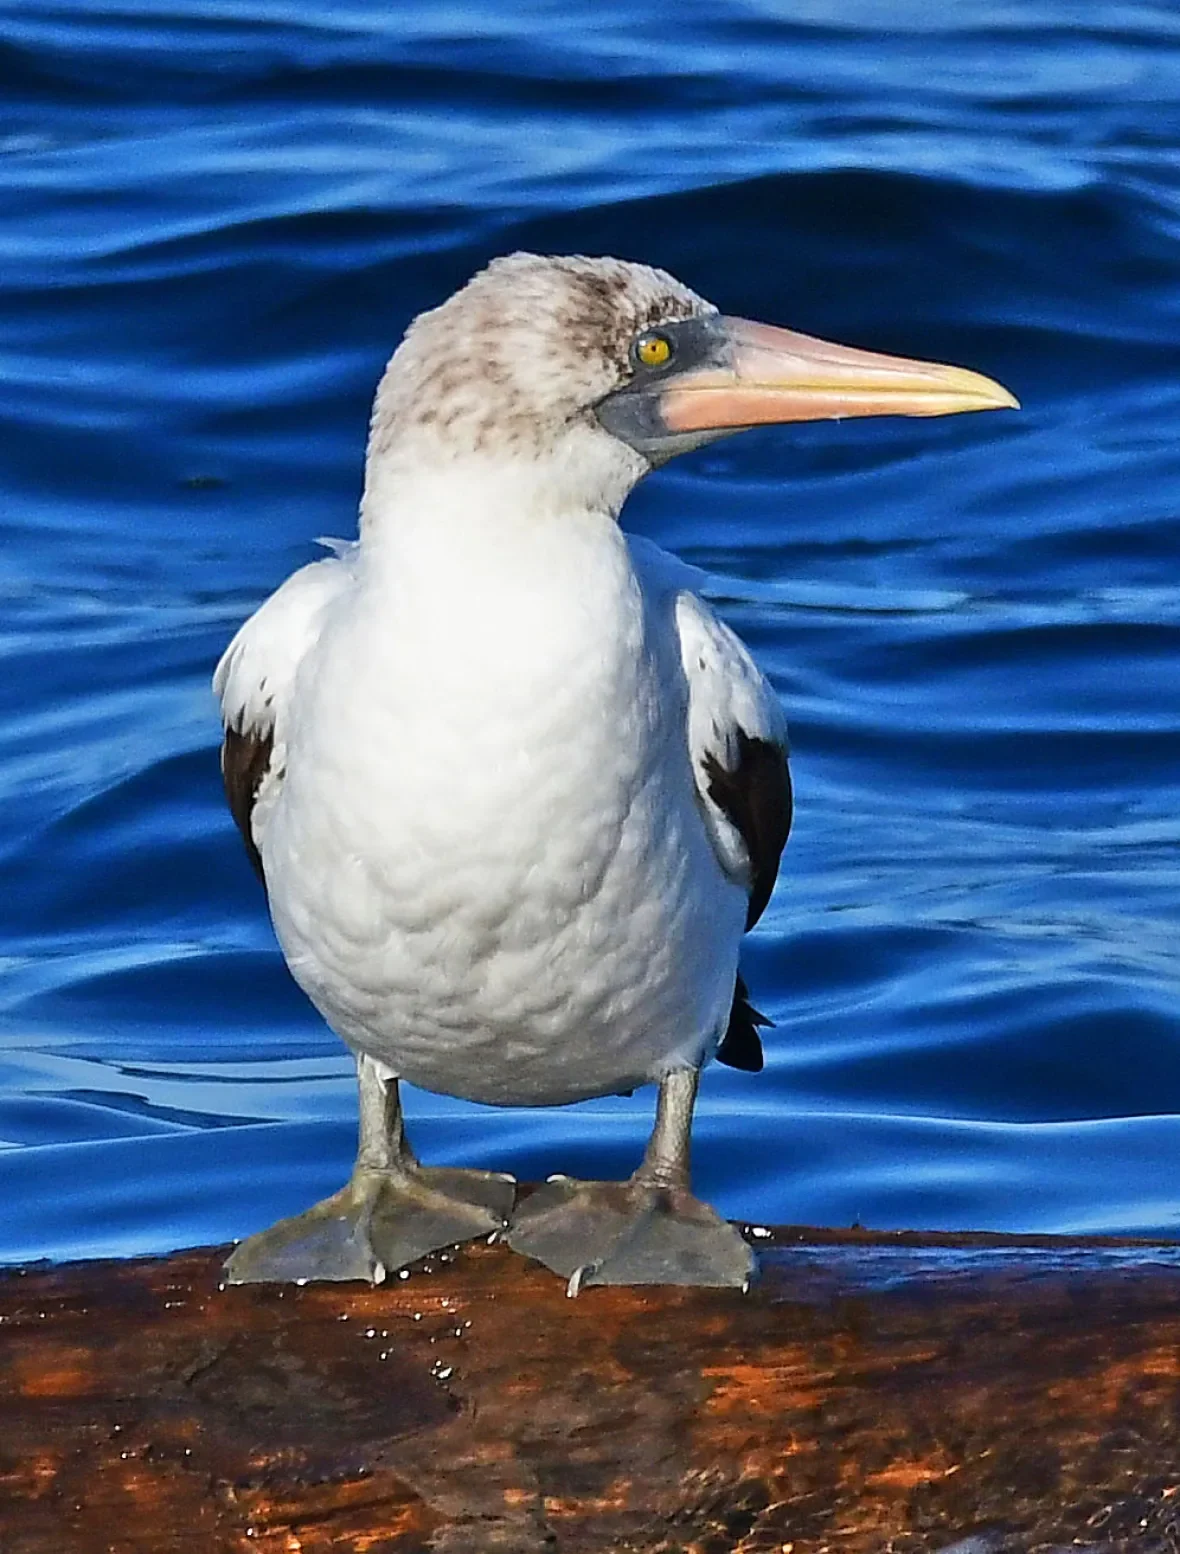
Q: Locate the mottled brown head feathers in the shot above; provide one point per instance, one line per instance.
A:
(528, 346)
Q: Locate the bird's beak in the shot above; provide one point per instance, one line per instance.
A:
(776, 375)
(733, 374)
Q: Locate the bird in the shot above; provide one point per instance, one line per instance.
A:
(515, 792)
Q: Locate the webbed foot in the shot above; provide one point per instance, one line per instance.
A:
(634, 1232)
(382, 1220)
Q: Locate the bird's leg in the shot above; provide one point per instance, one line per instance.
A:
(647, 1230)
(391, 1211)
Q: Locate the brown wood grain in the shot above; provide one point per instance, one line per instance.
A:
(871, 1393)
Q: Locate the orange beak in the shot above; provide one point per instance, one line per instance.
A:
(777, 375)
(727, 374)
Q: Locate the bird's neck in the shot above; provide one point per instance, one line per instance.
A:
(584, 475)
(497, 523)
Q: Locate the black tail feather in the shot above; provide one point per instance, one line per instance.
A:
(741, 1046)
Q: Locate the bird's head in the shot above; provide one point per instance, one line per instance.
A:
(599, 369)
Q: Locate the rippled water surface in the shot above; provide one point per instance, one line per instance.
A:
(219, 216)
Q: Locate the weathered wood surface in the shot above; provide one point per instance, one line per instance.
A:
(871, 1393)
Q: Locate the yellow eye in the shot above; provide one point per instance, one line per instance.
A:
(653, 350)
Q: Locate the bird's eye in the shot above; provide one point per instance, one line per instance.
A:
(653, 349)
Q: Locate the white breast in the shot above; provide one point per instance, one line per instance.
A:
(487, 864)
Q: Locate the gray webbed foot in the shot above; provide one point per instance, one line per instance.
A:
(648, 1230)
(391, 1212)
(378, 1223)
(635, 1232)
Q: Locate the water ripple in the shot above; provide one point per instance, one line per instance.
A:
(222, 216)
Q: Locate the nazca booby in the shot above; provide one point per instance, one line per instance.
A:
(514, 791)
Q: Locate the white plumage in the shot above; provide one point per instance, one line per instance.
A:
(515, 792)
(490, 853)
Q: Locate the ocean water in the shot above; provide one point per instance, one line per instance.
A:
(219, 216)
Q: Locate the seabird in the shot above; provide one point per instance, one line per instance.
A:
(514, 791)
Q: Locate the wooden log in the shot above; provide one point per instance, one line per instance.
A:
(873, 1392)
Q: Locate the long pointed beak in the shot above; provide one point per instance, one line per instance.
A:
(727, 374)
(776, 375)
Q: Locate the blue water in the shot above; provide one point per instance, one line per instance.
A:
(219, 215)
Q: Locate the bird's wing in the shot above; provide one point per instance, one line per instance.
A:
(254, 683)
(737, 738)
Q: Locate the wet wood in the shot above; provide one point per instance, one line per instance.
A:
(872, 1393)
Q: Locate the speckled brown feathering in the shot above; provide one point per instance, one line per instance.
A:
(245, 758)
(529, 344)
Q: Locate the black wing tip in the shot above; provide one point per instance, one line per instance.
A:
(755, 796)
(244, 761)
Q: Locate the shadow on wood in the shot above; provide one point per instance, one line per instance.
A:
(873, 1392)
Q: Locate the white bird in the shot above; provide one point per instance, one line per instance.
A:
(513, 789)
